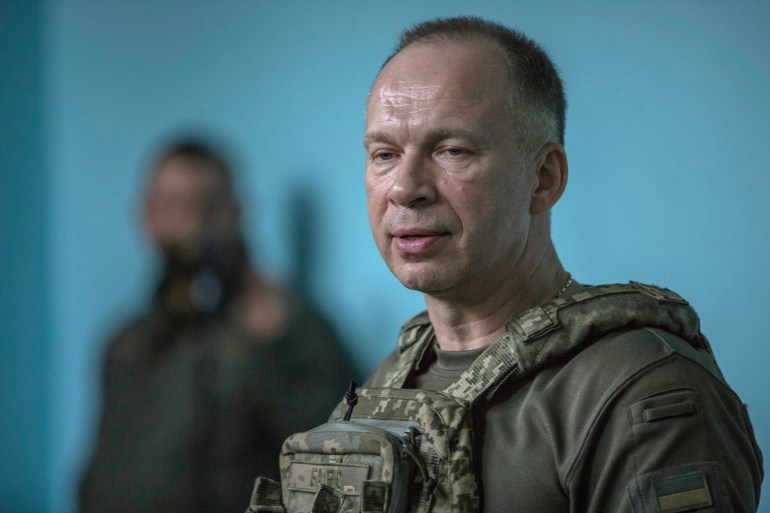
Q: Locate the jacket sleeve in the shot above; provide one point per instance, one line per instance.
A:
(674, 438)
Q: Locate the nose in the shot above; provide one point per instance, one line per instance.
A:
(413, 184)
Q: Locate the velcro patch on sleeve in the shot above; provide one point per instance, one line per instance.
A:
(683, 492)
(695, 487)
(677, 403)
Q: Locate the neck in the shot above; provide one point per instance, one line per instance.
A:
(463, 324)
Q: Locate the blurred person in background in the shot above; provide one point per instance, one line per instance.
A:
(202, 388)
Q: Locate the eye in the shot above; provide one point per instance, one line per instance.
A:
(453, 152)
(453, 157)
(383, 156)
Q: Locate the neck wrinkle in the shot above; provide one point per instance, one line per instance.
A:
(461, 326)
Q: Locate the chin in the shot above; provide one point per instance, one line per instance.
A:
(412, 286)
(417, 281)
(425, 276)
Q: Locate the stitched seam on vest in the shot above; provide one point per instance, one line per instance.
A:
(714, 374)
(658, 337)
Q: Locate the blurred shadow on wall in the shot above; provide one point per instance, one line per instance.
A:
(303, 220)
(203, 387)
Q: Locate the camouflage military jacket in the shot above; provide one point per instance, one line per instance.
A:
(627, 414)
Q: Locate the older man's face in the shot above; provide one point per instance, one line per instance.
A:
(447, 196)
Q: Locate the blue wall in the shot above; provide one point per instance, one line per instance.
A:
(667, 136)
(25, 442)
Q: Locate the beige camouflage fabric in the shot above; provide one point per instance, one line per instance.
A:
(354, 464)
(403, 451)
(444, 444)
(353, 467)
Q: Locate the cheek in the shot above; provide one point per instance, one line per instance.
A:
(376, 196)
(511, 211)
(493, 209)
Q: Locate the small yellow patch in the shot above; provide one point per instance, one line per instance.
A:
(684, 500)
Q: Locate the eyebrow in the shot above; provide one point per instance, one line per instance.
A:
(448, 133)
(437, 135)
(370, 137)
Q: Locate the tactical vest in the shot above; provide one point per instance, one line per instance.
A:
(412, 451)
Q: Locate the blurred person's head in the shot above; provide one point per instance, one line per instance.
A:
(192, 217)
(189, 196)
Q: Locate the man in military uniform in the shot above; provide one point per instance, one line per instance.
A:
(201, 389)
(465, 159)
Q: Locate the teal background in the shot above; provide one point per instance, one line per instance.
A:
(667, 136)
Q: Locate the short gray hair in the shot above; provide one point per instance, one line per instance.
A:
(537, 102)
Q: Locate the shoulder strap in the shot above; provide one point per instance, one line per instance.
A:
(415, 338)
(552, 329)
(565, 323)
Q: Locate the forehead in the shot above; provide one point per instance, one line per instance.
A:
(177, 175)
(421, 74)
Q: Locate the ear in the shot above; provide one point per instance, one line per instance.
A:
(549, 178)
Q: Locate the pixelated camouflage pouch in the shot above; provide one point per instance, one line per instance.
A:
(403, 451)
(349, 467)
(434, 427)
